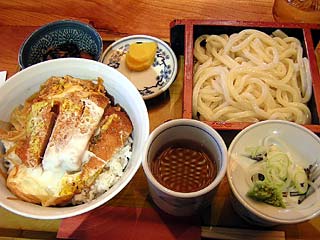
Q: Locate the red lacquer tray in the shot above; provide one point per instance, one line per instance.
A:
(183, 34)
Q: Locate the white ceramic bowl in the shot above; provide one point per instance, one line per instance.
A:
(304, 148)
(26, 82)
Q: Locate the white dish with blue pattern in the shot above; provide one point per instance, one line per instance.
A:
(153, 81)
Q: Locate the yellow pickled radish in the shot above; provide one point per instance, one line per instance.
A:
(140, 56)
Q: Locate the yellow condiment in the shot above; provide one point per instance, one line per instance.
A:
(140, 56)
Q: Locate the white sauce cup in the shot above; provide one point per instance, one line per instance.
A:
(181, 203)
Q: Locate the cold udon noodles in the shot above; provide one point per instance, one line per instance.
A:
(251, 76)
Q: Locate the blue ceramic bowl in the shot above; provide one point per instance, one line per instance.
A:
(55, 34)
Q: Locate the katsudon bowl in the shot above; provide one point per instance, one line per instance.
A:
(23, 84)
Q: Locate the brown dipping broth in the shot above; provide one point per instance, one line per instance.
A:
(184, 166)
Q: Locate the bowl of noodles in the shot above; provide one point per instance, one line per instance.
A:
(274, 173)
(239, 73)
(72, 133)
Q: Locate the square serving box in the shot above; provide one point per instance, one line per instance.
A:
(183, 34)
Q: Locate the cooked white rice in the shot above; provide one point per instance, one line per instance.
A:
(112, 172)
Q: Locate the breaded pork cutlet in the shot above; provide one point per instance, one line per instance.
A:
(39, 126)
(113, 132)
(77, 120)
(61, 187)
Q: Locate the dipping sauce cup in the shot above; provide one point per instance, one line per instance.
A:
(184, 162)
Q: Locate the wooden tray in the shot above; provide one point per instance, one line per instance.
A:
(183, 34)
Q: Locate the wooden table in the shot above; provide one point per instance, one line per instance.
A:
(115, 19)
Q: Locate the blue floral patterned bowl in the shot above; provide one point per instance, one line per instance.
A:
(82, 37)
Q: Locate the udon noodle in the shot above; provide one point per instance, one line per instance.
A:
(251, 76)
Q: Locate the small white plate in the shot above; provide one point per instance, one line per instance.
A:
(153, 81)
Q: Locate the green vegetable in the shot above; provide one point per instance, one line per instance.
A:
(281, 180)
(265, 191)
(257, 153)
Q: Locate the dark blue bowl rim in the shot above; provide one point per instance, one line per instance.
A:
(55, 24)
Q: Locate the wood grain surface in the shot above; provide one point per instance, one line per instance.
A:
(115, 19)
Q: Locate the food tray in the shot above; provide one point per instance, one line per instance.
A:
(183, 34)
